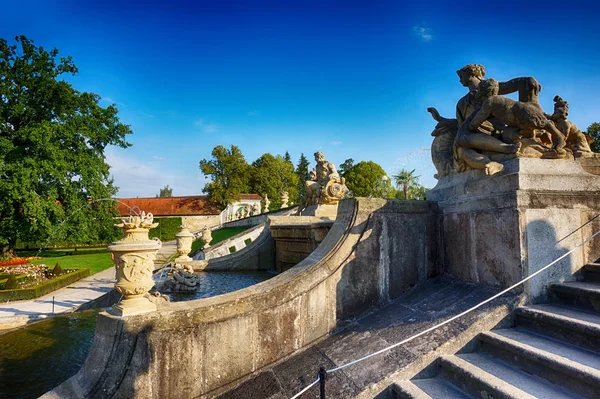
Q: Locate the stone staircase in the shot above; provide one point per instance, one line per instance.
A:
(552, 352)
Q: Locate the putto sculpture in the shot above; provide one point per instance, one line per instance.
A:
(489, 128)
(325, 186)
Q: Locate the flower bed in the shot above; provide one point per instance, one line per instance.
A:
(37, 280)
(18, 261)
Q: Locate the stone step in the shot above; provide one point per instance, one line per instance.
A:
(431, 388)
(576, 326)
(407, 390)
(582, 294)
(569, 366)
(591, 272)
(484, 376)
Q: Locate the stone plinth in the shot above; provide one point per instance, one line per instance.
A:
(499, 229)
(296, 237)
(323, 211)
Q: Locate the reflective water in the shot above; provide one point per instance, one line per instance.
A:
(217, 283)
(36, 358)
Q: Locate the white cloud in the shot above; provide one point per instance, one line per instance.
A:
(158, 158)
(335, 143)
(253, 113)
(206, 127)
(425, 34)
(137, 178)
(111, 101)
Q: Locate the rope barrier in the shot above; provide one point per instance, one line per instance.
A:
(457, 316)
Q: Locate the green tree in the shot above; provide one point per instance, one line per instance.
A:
(406, 182)
(593, 131)
(166, 191)
(52, 142)
(271, 175)
(287, 157)
(345, 167)
(303, 176)
(229, 173)
(366, 179)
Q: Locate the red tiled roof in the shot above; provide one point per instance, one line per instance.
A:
(171, 206)
(251, 197)
(176, 206)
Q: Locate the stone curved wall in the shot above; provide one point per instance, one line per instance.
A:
(204, 347)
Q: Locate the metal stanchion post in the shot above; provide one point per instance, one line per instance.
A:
(322, 378)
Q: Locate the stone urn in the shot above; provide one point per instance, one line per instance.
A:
(184, 244)
(206, 236)
(134, 257)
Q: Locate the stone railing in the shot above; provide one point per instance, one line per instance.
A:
(203, 347)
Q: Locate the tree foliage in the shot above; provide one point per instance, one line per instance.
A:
(229, 173)
(345, 167)
(408, 185)
(271, 175)
(52, 142)
(593, 131)
(366, 179)
(303, 176)
(166, 191)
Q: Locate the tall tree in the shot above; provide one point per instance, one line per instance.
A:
(303, 176)
(405, 180)
(366, 179)
(593, 131)
(166, 191)
(345, 167)
(52, 142)
(271, 175)
(288, 158)
(229, 173)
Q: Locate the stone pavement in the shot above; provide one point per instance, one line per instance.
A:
(168, 249)
(413, 312)
(67, 299)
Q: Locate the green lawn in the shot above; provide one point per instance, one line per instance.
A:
(95, 259)
(219, 235)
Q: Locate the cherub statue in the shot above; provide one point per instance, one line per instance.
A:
(528, 117)
(577, 142)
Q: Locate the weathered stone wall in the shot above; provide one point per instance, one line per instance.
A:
(260, 219)
(497, 230)
(200, 348)
(295, 238)
(258, 255)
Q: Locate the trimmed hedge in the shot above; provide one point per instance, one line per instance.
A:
(166, 229)
(4, 278)
(43, 288)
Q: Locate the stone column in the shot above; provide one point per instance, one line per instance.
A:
(134, 261)
(184, 244)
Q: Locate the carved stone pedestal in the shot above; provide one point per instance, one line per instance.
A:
(499, 229)
(324, 211)
(134, 261)
(184, 245)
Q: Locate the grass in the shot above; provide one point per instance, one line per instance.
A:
(96, 259)
(219, 235)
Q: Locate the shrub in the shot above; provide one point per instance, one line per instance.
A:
(43, 288)
(167, 228)
(57, 271)
(11, 283)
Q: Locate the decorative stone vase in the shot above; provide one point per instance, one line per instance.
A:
(206, 236)
(184, 244)
(134, 257)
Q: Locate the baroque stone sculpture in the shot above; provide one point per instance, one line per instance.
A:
(285, 197)
(134, 262)
(267, 203)
(489, 128)
(182, 279)
(325, 185)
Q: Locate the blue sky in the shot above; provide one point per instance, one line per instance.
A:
(350, 78)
